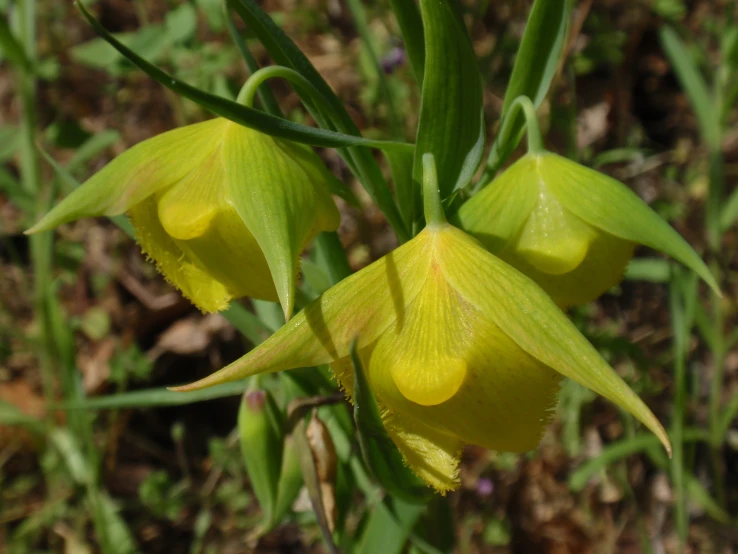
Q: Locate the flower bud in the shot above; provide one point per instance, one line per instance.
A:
(262, 434)
(223, 210)
(458, 347)
(571, 229)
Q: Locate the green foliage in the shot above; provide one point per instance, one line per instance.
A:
(451, 125)
(381, 506)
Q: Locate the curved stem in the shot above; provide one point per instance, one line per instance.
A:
(356, 163)
(434, 214)
(248, 92)
(535, 139)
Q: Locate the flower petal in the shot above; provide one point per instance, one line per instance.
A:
(197, 214)
(602, 269)
(363, 305)
(433, 455)
(460, 374)
(607, 204)
(137, 174)
(198, 286)
(281, 204)
(552, 239)
(530, 318)
(496, 214)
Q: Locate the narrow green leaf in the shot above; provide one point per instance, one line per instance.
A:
(290, 481)
(382, 458)
(13, 49)
(331, 256)
(729, 212)
(622, 449)
(401, 166)
(694, 85)
(268, 102)
(451, 125)
(730, 412)
(389, 527)
(247, 323)
(411, 27)
(237, 113)
(359, 16)
(10, 415)
(150, 398)
(695, 490)
(534, 69)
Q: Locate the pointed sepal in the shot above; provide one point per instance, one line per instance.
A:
(609, 205)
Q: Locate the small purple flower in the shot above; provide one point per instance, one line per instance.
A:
(485, 486)
(393, 59)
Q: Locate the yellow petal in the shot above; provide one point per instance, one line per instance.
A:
(196, 285)
(187, 209)
(497, 213)
(210, 235)
(428, 366)
(553, 240)
(433, 456)
(609, 205)
(528, 316)
(484, 389)
(601, 269)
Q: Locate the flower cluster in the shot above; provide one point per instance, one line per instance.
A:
(460, 329)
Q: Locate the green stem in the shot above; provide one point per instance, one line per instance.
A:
(680, 331)
(320, 104)
(714, 237)
(535, 138)
(714, 199)
(30, 180)
(433, 208)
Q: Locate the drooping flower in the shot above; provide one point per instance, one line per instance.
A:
(571, 229)
(223, 210)
(458, 347)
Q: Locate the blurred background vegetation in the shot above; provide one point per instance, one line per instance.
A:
(647, 93)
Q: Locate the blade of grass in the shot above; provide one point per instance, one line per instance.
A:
(616, 451)
(266, 97)
(157, 397)
(682, 300)
(694, 85)
(359, 16)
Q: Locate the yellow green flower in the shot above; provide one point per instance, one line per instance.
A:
(569, 228)
(457, 346)
(223, 210)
